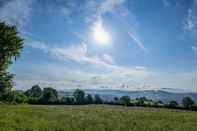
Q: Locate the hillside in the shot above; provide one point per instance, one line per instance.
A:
(156, 95)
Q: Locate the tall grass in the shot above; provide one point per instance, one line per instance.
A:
(94, 118)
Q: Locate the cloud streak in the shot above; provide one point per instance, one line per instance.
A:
(76, 53)
(113, 76)
(138, 42)
(79, 53)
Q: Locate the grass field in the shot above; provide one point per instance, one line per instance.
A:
(94, 118)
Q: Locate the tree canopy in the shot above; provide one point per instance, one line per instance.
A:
(125, 100)
(50, 95)
(35, 92)
(10, 47)
(187, 102)
(79, 96)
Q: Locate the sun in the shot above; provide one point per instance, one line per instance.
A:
(100, 35)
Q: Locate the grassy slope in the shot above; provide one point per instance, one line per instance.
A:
(95, 118)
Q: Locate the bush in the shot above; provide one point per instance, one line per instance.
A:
(17, 97)
(33, 100)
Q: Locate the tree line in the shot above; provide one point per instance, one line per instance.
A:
(49, 96)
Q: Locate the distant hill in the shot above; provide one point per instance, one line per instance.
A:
(164, 96)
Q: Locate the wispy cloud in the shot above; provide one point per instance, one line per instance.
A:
(109, 6)
(120, 78)
(95, 10)
(37, 45)
(190, 24)
(16, 12)
(90, 9)
(75, 52)
(138, 42)
(79, 53)
(108, 58)
(190, 21)
(113, 76)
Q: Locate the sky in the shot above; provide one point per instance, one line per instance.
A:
(105, 44)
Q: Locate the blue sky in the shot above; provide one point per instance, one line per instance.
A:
(105, 44)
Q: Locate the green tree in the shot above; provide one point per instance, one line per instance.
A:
(141, 101)
(173, 104)
(67, 100)
(79, 96)
(49, 96)
(16, 97)
(187, 102)
(5, 84)
(125, 100)
(35, 92)
(33, 100)
(10, 48)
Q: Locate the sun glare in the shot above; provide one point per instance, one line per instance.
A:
(100, 35)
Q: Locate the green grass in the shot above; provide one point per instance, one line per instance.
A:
(94, 118)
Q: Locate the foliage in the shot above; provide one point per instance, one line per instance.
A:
(16, 97)
(10, 47)
(187, 102)
(34, 100)
(67, 100)
(79, 96)
(140, 101)
(5, 84)
(35, 92)
(173, 104)
(50, 95)
(125, 100)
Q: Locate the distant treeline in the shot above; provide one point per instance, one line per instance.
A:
(49, 96)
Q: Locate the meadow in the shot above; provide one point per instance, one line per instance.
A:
(94, 118)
